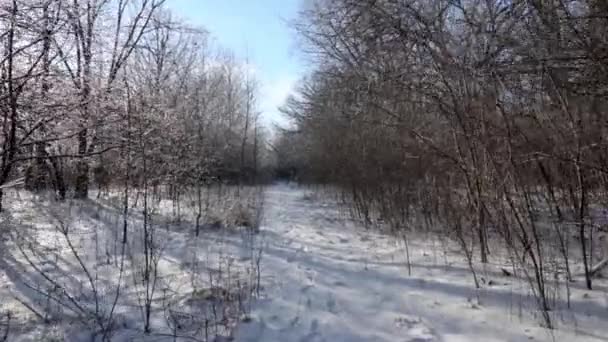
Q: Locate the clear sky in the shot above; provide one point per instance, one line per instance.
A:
(256, 29)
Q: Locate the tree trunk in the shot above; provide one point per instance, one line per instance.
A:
(59, 179)
(81, 189)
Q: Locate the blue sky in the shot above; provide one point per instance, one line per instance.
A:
(256, 29)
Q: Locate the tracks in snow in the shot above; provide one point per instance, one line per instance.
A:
(319, 288)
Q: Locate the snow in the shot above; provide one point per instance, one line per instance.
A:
(188, 270)
(324, 277)
(332, 280)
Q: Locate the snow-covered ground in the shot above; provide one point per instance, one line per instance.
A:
(331, 280)
(200, 289)
(324, 278)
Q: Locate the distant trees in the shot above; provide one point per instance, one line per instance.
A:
(484, 118)
(74, 72)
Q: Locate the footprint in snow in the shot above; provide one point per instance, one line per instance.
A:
(305, 288)
(340, 284)
(314, 326)
(331, 304)
(314, 334)
(295, 322)
(416, 330)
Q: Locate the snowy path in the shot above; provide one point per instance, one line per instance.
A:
(328, 280)
(321, 290)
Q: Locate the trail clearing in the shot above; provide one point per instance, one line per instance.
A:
(329, 279)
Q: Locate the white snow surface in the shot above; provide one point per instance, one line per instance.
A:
(329, 279)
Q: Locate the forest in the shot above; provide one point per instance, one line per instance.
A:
(480, 120)
(143, 197)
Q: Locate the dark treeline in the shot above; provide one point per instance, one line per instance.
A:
(482, 120)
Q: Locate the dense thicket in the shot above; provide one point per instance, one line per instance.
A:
(93, 91)
(120, 97)
(482, 119)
